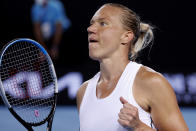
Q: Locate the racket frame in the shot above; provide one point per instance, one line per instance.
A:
(27, 125)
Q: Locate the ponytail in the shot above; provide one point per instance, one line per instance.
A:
(144, 39)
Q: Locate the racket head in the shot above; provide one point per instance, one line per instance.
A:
(28, 82)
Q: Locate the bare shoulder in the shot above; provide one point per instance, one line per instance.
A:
(151, 87)
(151, 79)
(154, 93)
(80, 93)
(157, 95)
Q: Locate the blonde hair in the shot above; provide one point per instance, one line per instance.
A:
(143, 34)
(145, 38)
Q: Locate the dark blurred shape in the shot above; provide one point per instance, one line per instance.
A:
(49, 23)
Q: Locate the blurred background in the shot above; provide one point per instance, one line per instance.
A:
(173, 52)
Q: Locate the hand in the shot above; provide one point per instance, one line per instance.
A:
(54, 52)
(128, 116)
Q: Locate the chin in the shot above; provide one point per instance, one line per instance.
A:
(94, 56)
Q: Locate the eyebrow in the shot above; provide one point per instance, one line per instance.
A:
(99, 19)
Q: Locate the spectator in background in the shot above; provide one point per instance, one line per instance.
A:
(49, 22)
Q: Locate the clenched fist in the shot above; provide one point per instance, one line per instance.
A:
(128, 116)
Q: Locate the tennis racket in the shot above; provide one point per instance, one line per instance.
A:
(28, 83)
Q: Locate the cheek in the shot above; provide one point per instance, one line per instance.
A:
(110, 37)
(108, 43)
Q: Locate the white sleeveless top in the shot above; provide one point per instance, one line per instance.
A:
(102, 114)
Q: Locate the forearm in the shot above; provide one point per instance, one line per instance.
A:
(38, 35)
(57, 35)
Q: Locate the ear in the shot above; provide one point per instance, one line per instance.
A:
(127, 37)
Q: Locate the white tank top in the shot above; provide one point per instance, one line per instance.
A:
(102, 114)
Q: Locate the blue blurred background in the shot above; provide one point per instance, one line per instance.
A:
(173, 52)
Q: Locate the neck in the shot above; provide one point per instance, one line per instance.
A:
(112, 69)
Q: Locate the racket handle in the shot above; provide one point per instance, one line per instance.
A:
(49, 126)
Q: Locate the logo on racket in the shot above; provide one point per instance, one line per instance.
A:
(36, 112)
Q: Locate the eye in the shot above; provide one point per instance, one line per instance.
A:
(102, 23)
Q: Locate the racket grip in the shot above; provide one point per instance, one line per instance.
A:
(49, 126)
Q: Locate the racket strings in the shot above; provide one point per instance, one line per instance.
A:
(28, 81)
(18, 62)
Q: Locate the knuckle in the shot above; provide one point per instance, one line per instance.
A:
(126, 123)
(123, 123)
(136, 109)
(122, 110)
(130, 118)
(126, 105)
(134, 113)
(120, 115)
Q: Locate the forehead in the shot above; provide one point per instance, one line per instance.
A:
(107, 12)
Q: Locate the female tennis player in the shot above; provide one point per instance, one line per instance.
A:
(124, 95)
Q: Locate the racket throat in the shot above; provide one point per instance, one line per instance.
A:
(29, 128)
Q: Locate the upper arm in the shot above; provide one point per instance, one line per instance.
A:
(80, 94)
(163, 104)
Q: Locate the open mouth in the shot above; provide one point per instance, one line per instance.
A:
(92, 41)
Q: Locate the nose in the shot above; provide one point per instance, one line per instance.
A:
(91, 29)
